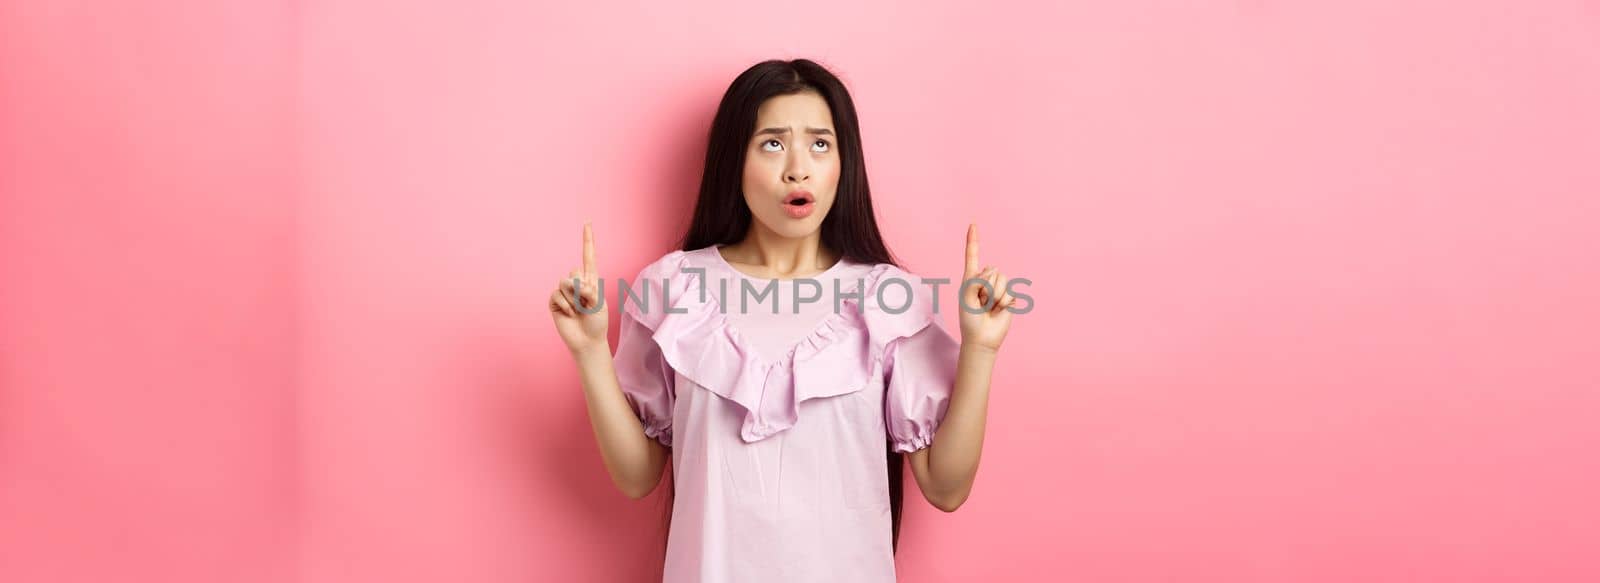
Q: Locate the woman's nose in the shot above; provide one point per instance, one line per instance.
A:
(796, 172)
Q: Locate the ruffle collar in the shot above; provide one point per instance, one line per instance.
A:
(840, 355)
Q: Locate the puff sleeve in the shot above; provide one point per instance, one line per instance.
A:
(647, 380)
(919, 360)
(919, 377)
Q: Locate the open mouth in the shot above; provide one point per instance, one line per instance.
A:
(798, 198)
(799, 204)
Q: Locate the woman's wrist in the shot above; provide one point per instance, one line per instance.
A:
(590, 350)
(980, 350)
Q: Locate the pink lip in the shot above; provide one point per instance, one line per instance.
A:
(799, 194)
(799, 211)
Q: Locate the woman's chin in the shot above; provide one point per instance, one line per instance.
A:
(791, 228)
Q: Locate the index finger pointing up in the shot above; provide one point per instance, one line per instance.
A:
(972, 249)
(588, 249)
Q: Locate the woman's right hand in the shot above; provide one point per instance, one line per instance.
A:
(579, 330)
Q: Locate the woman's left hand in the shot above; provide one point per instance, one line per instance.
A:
(987, 328)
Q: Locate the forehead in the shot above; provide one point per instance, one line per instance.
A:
(800, 109)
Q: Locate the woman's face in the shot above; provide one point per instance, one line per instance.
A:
(793, 152)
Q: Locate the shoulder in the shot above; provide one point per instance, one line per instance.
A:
(671, 275)
(899, 302)
(676, 263)
(891, 283)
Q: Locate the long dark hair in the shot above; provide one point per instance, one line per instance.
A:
(721, 216)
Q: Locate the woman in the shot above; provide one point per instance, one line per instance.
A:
(775, 359)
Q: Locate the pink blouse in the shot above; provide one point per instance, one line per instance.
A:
(778, 422)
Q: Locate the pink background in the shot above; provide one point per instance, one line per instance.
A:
(1315, 286)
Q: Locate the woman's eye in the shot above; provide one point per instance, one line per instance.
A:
(772, 145)
(820, 146)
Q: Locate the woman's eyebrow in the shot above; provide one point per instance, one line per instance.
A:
(781, 131)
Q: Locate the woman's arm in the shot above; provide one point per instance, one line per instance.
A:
(946, 469)
(634, 460)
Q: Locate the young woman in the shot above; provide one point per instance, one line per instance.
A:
(781, 359)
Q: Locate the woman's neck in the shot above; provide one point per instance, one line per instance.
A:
(778, 256)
